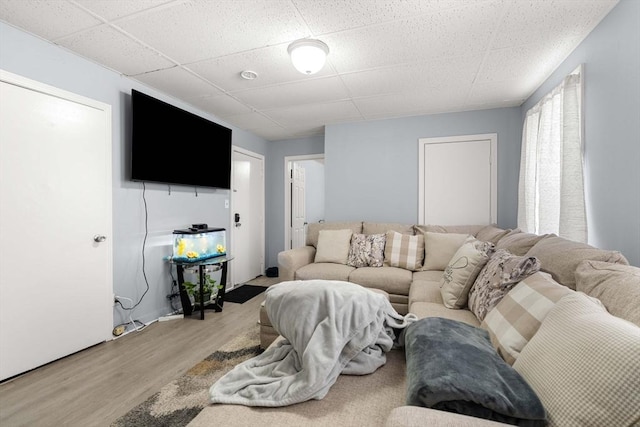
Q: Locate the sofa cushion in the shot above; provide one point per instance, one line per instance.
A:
(617, 286)
(415, 416)
(314, 228)
(333, 246)
(517, 317)
(391, 279)
(425, 291)
(459, 229)
(561, 257)
(404, 251)
(384, 227)
(452, 366)
(462, 271)
(436, 309)
(492, 234)
(324, 270)
(519, 243)
(501, 273)
(583, 363)
(439, 248)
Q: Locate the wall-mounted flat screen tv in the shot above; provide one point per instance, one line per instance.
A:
(170, 145)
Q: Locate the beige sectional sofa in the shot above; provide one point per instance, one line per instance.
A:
(595, 295)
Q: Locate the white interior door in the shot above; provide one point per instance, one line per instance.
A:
(55, 196)
(298, 206)
(247, 234)
(458, 180)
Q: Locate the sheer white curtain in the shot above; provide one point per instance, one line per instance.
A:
(551, 189)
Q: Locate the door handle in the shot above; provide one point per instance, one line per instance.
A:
(99, 238)
(236, 217)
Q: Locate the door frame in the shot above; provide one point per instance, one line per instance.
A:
(492, 137)
(287, 192)
(259, 157)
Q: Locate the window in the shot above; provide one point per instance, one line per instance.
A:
(551, 189)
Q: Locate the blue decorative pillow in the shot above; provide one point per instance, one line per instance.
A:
(452, 366)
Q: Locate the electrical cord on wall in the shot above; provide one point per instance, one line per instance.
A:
(144, 272)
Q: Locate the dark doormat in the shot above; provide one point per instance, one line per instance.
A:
(243, 293)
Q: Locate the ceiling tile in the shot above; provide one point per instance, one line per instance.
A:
(216, 28)
(114, 9)
(412, 77)
(496, 93)
(251, 121)
(221, 106)
(179, 82)
(303, 92)
(49, 19)
(116, 51)
(437, 99)
(450, 32)
(314, 115)
(272, 64)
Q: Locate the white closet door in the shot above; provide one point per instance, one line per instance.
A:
(458, 180)
(55, 196)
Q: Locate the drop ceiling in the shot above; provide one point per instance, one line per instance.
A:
(388, 58)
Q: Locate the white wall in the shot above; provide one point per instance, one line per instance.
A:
(611, 58)
(30, 56)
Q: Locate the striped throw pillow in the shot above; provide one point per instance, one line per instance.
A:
(517, 317)
(404, 251)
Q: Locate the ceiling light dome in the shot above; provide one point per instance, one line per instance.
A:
(308, 55)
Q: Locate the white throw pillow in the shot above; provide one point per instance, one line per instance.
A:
(439, 248)
(584, 365)
(333, 246)
(462, 271)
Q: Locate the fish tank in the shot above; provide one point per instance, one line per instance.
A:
(198, 243)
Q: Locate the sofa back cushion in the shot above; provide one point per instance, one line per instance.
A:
(492, 234)
(517, 317)
(404, 251)
(583, 364)
(517, 242)
(460, 229)
(617, 286)
(440, 247)
(383, 227)
(560, 257)
(314, 228)
(333, 246)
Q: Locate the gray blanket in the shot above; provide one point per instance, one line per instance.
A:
(453, 367)
(330, 327)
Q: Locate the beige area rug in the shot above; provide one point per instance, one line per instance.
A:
(352, 401)
(177, 403)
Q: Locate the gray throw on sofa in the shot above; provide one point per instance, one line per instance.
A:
(330, 328)
(452, 366)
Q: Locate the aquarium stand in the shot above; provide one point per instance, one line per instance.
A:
(218, 263)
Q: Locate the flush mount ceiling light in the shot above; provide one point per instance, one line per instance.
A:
(308, 55)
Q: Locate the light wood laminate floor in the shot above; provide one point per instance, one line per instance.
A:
(96, 386)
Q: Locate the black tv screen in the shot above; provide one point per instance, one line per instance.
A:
(173, 146)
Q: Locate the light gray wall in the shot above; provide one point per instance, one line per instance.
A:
(611, 58)
(31, 57)
(274, 191)
(371, 168)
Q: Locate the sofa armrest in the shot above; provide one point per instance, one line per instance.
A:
(416, 416)
(291, 260)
